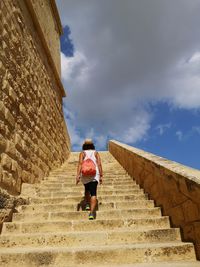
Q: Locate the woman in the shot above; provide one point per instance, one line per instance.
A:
(90, 182)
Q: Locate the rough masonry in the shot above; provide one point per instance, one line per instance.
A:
(173, 186)
(33, 135)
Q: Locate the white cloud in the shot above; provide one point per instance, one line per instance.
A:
(76, 139)
(188, 134)
(185, 86)
(163, 127)
(127, 54)
(195, 58)
(75, 70)
(101, 141)
(179, 134)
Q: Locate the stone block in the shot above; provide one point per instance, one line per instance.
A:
(188, 232)
(17, 183)
(7, 180)
(2, 144)
(1, 173)
(196, 226)
(12, 94)
(177, 216)
(191, 211)
(22, 109)
(154, 193)
(6, 161)
(25, 177)
(10, 149)
(9, 118)
(14, 166)
(2, 110)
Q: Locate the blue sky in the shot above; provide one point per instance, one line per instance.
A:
(131, 70)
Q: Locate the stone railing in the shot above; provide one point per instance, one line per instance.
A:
(173, 187)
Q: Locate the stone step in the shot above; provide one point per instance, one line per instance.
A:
(54, 229)
(150, 264)
(97, 238)
(117, 169)
(75, 207)
(112, 254)
(74, 187)
(77, 215)
(105, 183)
(101, 191)
(72, 180)
(85, 225)
(73, 175)
(79, 200)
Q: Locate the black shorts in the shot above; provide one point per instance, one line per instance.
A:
(91, 187)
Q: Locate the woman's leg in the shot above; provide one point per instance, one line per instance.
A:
(87, 197)
(93, 203)
(93, 198)
(87, 194)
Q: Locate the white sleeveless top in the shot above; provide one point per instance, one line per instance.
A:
(90, 154)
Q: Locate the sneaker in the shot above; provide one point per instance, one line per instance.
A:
(87, 207)
(91, 216)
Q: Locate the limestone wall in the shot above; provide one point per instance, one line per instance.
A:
(48, 22)
(174, 187)
(33, 135)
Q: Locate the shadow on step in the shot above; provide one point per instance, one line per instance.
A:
(82, 205)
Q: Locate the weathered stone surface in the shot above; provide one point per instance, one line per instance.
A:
(33, 134)
(55, 231)
(174, 187)
(7, 205)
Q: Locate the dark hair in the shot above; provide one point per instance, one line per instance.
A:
(88, 147)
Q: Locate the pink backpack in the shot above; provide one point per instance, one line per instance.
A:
(88, 167)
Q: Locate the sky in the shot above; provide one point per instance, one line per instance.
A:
(131, 70)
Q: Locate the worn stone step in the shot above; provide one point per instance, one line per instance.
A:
(101, 188)
(100, 191)
(54, 229)
(150, 264)
(73, 187)
(64, 207)
(79, 200)
(76, 196)
(105, 180)
(111, 254)
(75, 207)
(136, 204)
(105, 183)
(77, 215)
(85, 225)
(110, 170)
(58, 183)
(73, 174)
(78, 239)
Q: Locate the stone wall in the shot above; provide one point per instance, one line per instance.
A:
(173, 187)
(33, 134)
(48, 22)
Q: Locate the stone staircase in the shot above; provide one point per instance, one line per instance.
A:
(54, 229)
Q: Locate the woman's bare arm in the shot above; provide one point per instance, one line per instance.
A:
(78, 176)
(99, 167)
